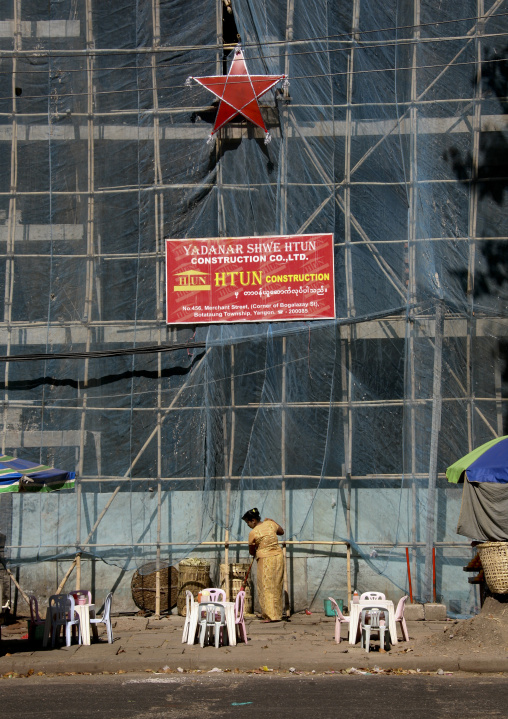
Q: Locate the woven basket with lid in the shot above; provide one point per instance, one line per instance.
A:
(494, 558)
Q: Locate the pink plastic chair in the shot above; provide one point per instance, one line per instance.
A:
(82, 596)
(214, 595)
(399, 617)
(35, 619)
(239, 620)
(340, 619)
(372, 597)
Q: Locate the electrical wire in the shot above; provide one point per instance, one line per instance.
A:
(98, 354)
(25, 55)
(160, 88)
(348, 36)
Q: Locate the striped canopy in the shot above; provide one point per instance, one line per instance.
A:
(19, 475)
(488, 463)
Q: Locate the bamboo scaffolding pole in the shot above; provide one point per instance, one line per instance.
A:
(12, 213)
(434, 439)
(403, 545)
(283, 478)
(16, 584)
(158, 240)
(67, 575)
(90, 266)
(411, 267)
(228, 501)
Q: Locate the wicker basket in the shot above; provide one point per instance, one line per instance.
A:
(191, 577)
(237, 574)
(143, 586)
(494, 558)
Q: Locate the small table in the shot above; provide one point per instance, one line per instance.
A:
(84, 611)
(230, 621)
(355, 611)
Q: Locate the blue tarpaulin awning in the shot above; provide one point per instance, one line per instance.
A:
(20, 475)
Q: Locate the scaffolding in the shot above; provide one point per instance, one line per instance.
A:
(391, 135)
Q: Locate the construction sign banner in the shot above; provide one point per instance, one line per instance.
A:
(250, 279)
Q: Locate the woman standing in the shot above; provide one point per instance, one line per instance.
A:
(264, 546)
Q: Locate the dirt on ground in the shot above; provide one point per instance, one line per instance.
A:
(486, 633)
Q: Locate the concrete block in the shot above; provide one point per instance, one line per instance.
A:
(435, 612)
(414, 612)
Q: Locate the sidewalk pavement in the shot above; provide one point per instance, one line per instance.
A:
(303, 644)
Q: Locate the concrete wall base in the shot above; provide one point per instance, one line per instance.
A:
(435, 612)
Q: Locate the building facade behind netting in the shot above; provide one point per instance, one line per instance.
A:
(392, 136)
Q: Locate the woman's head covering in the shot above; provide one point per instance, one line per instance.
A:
(252, 514)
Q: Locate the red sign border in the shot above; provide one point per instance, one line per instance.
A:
(246, 321)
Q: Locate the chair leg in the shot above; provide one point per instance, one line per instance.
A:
(337, 630)
(68, 628)
(109, 629)
(405, 632)
(202, 633)
(366, 638)
(54, 631)
(244, 632)
(185, 630)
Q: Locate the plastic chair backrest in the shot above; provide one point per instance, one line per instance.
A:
(107, 607)
(216, 595)
(372, 597)
(239, 605)
(399, 612)
(61, 607)
(336, 608)
(373, 615)
(189, 601)
(34, 611)
(215, 613)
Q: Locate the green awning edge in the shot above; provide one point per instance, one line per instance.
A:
(454, 471)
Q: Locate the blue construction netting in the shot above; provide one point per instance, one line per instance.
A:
(392, 135)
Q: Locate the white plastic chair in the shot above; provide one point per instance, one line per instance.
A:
(189, 604)
(371, 622)
(239, 620)
(212, 594)
(105, 619)
(399, 617)
(340, 619)
(213, 616)
(372, 597)
(62, 611)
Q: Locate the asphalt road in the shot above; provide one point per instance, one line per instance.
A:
(205, 696)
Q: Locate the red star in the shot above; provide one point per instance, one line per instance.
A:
(238, 92)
